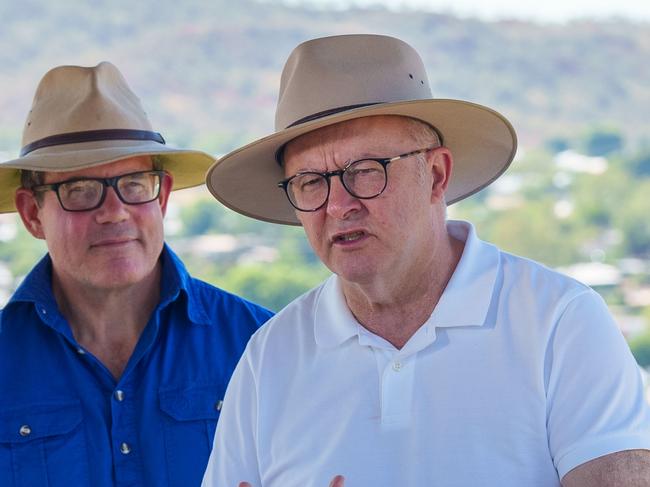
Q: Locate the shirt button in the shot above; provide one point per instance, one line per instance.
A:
(125, 448)
(81, 351)
(397, 366)
(119, 395)
(25, 430)
(218, 405)
(44, 311)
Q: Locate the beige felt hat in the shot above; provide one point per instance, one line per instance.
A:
(88, 116)
(333, 79)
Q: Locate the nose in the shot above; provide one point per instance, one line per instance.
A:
(112, 209)
(341, 204)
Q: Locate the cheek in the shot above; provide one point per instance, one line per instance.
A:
(60, 227)
(313, 228)
(147, 217)
(64, 239)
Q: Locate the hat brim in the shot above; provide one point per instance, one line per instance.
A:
(188, 167)
(482, 142)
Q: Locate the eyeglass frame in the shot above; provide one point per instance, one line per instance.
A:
(383, 161)
(106, 182)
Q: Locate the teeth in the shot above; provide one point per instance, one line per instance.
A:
(350, 236)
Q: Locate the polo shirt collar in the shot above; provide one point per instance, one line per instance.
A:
(472, 282)
(334, 323)
(467, 297)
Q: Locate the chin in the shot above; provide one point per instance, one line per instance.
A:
(115, 282)
(356, 274)
(118, 276)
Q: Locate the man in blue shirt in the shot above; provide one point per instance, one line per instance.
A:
(113, 359)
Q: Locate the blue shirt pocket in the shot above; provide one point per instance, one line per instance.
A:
(191, 415)
(43, 443)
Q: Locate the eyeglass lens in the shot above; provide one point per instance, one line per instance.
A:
(84, 194)
(362, 179)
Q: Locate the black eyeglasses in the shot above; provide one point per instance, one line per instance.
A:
(363, 179)
(85, 194)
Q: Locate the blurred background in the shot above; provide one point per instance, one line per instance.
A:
(572, 76)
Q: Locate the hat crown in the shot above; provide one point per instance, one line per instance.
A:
(76, 99)
(329, 74)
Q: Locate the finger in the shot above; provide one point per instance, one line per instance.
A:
(337, 481)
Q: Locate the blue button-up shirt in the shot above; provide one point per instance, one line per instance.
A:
(64, 419)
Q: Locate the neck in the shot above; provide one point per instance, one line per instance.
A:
(397, 308)
(108, 322)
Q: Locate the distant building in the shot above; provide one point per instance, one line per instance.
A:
(569, 160)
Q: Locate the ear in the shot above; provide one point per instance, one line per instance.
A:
(165, 188)
(29, 212)
(441, 167)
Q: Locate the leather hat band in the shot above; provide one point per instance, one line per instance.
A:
(92, 136)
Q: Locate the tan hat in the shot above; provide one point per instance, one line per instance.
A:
(88, 116)
(333, 79)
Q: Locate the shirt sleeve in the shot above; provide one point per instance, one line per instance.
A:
(234, 452)
(595, 397)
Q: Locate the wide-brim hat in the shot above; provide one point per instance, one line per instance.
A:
(88, 116)
(333, 79)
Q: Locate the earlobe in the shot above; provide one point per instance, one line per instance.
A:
(28, 210)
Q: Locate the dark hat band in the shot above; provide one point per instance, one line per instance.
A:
(331, 111)
(92, 136)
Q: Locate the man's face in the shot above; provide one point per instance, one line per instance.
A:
(113, 246)
(387, 237)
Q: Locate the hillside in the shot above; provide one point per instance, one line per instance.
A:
(208, 72)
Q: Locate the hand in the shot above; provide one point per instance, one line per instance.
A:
(338, 481)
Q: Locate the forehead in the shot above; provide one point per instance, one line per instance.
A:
(366, 136)
(123, 166)
(380, 127)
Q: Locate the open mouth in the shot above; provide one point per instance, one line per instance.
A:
(349, 237)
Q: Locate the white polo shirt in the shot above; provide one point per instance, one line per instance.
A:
(519, 375)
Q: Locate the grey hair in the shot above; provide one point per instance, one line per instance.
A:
(424, 134)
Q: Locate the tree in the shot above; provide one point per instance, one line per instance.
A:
(603, 142)
(640, 347)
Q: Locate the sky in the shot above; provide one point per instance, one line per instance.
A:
(544, 11)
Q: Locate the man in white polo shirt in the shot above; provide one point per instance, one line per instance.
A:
(430, 357)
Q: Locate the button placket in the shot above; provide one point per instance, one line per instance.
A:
(397, 387)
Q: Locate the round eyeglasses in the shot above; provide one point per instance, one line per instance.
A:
(85, 194)
(363, 179)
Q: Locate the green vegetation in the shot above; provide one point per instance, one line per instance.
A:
(208, 72)
(640, 347)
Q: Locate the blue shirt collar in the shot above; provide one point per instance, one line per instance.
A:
(176, 280)
(37, 288)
